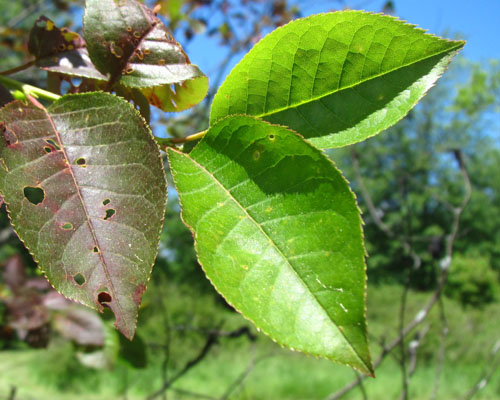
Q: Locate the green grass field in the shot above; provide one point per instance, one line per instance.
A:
(55, 373)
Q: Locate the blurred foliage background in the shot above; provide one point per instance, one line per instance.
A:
(191, 344)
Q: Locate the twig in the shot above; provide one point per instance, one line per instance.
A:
(444, 333)
(212, 339)
(12, 394)
(445, 264)
(366, 196)
(402, 363)
(362, 386)
(18, 69)
(413, 349)
(487, 374)
(373, 212)
(238, 382)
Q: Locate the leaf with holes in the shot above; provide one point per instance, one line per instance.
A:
(60, 50)
(278, 233)
(336, 78)
(84, 185)
(128, 42)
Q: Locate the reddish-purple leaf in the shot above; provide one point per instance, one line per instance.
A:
(128, 42)
(13, 274)
(60, 50)
(85, 188)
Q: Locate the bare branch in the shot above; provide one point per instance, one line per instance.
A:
(211, 340)
(444, 264)
(487, 374)
(444, 333)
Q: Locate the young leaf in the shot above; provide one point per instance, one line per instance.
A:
(278, 233)
(130, 43)
(336, 78)
(85, 189)
(60, 50)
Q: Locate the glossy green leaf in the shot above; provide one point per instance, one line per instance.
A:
(336, 78)
(85, 189)
(129, 43)
(278, 233)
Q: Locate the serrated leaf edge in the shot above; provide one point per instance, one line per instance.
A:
(459, 44)
(92, 305)
(193, 233)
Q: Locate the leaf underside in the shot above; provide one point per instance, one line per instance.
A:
(335, 78)
(278, 233)
(85, 189)
(60, 50)
(128, 42)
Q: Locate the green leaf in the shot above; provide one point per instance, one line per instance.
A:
(85, 189)
(336, 78)
(60, 50)
(128, 42)
(278, 233)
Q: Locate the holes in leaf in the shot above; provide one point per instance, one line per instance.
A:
(65, 87)
(48, 149)
(106, 202)
(75, 82)
(272, 138)
(51, 142)
(95, 250)
(67, 226)
(104, 298)
(109, 213)
(81, 162)
(35, 195)
(79, 279)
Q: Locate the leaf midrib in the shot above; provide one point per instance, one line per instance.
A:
(87, 216)
(373, 77)
(259, 227)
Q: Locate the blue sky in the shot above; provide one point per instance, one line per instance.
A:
(477, 21)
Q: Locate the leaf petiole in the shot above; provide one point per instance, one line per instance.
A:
(164, 143)
(189, 138)
(19, 68)
(28, 89)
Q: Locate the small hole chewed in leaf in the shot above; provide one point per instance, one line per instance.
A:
(106, 202)
(79, 279)
(35, 195)
(48, 149)
(104, 298)
(81, 161)
(50, 141)
(109, 213)
(96, 249)
(67, 226)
